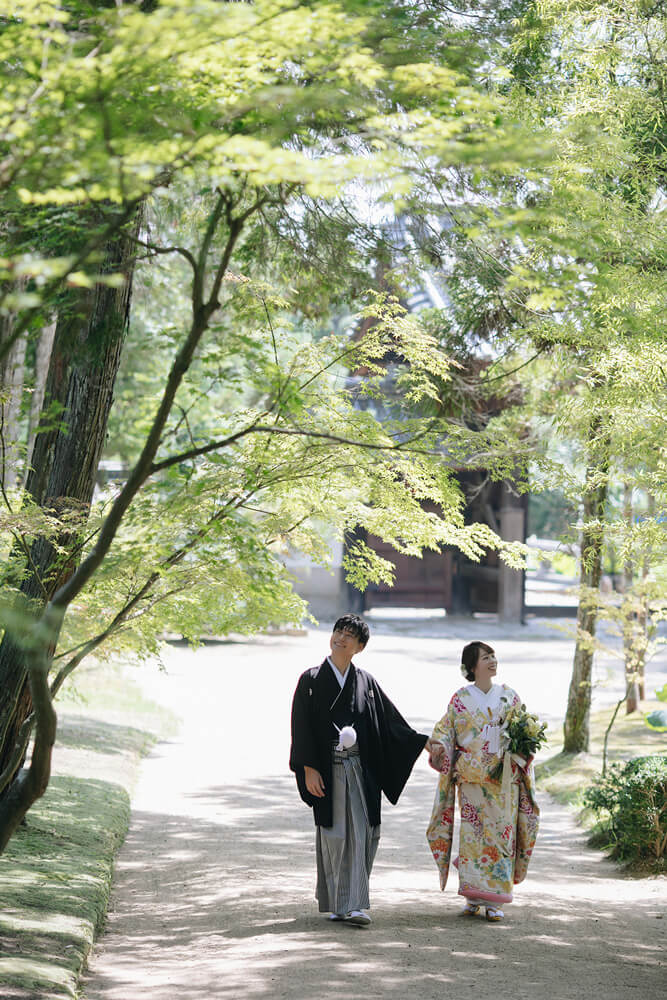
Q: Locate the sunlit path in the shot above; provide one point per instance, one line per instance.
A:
(214, 891)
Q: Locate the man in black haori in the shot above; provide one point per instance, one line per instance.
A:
(349, 744)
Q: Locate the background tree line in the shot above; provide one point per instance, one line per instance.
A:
(222, 183)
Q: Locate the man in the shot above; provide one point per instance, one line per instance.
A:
(349, 744)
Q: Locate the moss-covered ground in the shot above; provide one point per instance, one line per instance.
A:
(565, 776)
(55, 875)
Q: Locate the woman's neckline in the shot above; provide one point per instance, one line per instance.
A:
(481, 690)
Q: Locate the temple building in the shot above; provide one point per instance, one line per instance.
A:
(447, 579)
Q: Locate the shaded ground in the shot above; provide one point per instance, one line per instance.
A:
(214, 888)
(55, 874)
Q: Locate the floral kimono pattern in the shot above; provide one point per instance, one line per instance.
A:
(497, 833)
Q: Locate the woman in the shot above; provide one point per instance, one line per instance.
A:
(498, 829)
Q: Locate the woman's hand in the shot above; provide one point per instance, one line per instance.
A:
(314, 782)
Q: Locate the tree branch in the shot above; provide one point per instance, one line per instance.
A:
(291, 432)
(159, 251)
(143, 467)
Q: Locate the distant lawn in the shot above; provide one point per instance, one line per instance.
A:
(55, 875)
(565, 776)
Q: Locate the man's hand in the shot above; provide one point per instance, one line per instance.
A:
(314, 782)
(436, 753)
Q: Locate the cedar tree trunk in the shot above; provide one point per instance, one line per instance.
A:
(84, 362)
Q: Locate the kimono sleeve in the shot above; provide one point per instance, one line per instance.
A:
(441, 827)
(400, 745)
(304, 751)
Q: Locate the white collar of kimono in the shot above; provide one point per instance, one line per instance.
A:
(341, 678)
(489, 703)
(489, 700)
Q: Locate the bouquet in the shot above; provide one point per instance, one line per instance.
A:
(522, 734)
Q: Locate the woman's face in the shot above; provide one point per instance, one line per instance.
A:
(486, 667)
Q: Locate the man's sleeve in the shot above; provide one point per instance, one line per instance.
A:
(400, 746)
(303, 751)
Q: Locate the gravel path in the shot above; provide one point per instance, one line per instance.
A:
(214, 885)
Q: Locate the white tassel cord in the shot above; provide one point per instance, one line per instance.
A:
(347, 737)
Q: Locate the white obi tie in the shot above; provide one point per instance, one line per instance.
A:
(491, 735)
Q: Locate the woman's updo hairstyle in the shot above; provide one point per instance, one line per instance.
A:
(470, 656)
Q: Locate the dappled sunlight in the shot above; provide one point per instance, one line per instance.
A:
(81, 732)
(214, 893)
(474, 956)
(239, 898)
(548, 939)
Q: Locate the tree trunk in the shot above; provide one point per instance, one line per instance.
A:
(649, 627)
(42, 361)
(33, 781)
(576, 728)
(43, 636)
(12, 370)
(629, 617)
(84, 362)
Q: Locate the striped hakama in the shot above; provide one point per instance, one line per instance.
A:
(346, 850)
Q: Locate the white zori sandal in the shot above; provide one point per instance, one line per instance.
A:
(493, 915)
(470, 910)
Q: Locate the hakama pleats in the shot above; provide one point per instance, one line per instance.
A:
(346, 850)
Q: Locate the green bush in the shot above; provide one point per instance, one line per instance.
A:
(631, 802)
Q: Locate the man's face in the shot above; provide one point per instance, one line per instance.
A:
(345, 643)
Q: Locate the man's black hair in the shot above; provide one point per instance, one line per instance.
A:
(354, 624)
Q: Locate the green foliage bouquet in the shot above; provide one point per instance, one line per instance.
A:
(521, 734)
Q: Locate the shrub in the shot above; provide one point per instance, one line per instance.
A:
(631, 802)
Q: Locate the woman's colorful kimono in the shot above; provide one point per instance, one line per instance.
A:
(497, 836)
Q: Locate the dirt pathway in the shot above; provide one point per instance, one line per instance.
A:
(214, 889)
